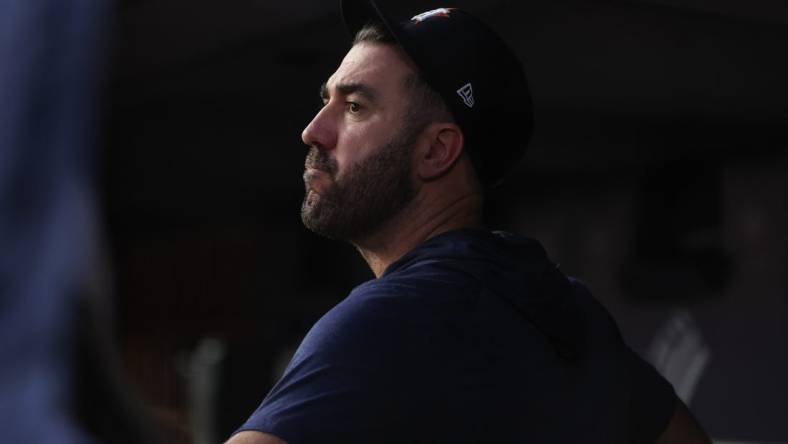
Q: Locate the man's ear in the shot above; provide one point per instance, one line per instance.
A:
(442, 146)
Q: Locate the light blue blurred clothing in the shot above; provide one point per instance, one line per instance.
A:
(51, 71)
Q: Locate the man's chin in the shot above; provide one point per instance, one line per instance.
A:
(320, 229)
(316, 216)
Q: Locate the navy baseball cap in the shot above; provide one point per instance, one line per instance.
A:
(479, 78)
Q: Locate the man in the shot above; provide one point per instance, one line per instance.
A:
(465, 335)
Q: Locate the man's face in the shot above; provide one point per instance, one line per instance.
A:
(358, 170)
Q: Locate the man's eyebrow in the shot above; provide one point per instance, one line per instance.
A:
(350, 88)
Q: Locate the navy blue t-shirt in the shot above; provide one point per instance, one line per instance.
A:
(472, 337)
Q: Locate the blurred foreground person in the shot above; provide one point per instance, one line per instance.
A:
(466, 335)
(58, 376)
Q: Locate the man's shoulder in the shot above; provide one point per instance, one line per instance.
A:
(374, 314)
(424, 283)
(388, 299)
(390, 313)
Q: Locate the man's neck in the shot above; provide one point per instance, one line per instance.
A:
(422, 219)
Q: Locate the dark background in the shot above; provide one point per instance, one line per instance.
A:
(657, 174)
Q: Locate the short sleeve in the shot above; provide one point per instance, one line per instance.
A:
(648, 398)
(652, 401)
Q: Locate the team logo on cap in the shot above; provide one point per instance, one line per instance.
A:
(466, 93)
(440, 12)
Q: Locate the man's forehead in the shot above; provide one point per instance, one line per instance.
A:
(372, 65)
(348, 88)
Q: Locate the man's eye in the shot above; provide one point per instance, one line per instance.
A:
(353, 107)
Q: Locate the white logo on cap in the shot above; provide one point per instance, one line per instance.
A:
(440, 12)
(466, 92)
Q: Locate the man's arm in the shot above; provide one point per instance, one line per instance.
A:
(253, 437)
(683, 428)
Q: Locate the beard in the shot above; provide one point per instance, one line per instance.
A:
(359, 201)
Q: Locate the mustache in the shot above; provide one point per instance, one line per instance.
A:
(320, 160)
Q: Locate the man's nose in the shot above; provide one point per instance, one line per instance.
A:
(320, 133)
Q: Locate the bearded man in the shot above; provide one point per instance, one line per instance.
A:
(465, 335)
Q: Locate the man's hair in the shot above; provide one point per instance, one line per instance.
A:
(425, 104)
